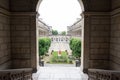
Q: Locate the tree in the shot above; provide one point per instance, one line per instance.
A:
(54, 32)
(63, 33)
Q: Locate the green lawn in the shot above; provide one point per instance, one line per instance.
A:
(55, 59)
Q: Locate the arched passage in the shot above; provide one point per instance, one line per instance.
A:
(19, 17)
(84, 60)
(24, 16)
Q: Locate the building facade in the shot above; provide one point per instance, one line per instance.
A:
(43, 29)
(75, 30)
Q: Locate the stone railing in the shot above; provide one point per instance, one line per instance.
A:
(16, 74)
(98, 74)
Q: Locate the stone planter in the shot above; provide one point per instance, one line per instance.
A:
(41, 63)
(77, 63)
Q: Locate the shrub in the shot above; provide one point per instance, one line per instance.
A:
(75, 46)
(44, 44)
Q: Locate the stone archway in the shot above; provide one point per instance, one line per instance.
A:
(84, 59)
(23, 27)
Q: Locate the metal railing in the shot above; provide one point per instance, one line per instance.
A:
(16, 74)
(98, 74)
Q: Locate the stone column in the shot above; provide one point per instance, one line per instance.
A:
(5, 40)
(96, 40)
(23, 35)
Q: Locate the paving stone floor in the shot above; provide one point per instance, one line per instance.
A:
(59, 73)
(59, 65)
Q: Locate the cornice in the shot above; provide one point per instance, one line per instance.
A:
(115, 12)
(8, 13)
(96, 13)
(24, 13)
(4, 12)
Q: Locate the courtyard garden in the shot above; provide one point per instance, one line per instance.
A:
(53, 53)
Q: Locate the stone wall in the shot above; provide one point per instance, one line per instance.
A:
(115, 4)
(23, 33)
(4, 4)
(23, 40)
(96, 40)
(97, 5)
(5, 49)
(99, 42)
(115, 36)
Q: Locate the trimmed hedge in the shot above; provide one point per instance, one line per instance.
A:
(44, 44)
(75, 46)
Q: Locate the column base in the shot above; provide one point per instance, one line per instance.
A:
(85, 71)
(34, 70)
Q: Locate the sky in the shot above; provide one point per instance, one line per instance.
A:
(59, 13)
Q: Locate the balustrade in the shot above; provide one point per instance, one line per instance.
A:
(98, 74)
(16, 74)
